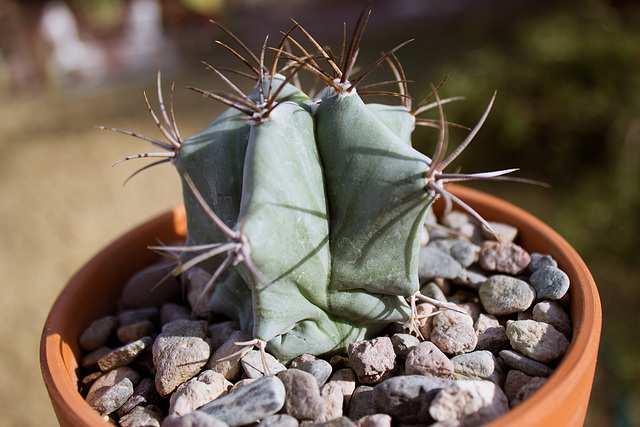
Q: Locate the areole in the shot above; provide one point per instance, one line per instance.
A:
(93, 291)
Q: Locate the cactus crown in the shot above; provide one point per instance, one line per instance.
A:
(306, 212)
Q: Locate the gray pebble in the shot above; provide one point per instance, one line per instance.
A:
(97, 334)
(319, 368)
(151, 286)
(130, 317)
(144, 394)
(373, 360)
(375, 420)
(552, 313)
(361, 402)
(502, 294)
(403, 343)
(470, 278)
(220, 332)
(492, 335)
(527, 390)
(427, 359)
(106, 381)
(253, 365)
(172, 311)
(279, 420)
(90, 361)
(481, 365)
(141, 417)
(513, 383)
(504, 233)
(472, 402)
(461, 222)
(538, 340)
(248, 404)
(434, 263)
(331, 393)
(462, 250)
(395, 395)
(196, 392)
(549, 283)
(541, 260)
(453, 332)
(194, 419)
(346, 379)
(109, 400)
(226, 359)
(179, 353)
(522, 363)
(303, 400)
(135, 331)
(503, 257)
(432, 290)
(124, 355)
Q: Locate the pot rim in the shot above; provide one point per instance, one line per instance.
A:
(58, 360)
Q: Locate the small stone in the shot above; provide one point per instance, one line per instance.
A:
(124, 355)
(172, 311)
(395, 395)
(462, 250)
(179, 353)
(109, 379)
(331, 393)
(151, 287)
(90, 361)
(97, 334)
(503, 257)
(453, 332)
(144, 394)
(373, 360)
(306, 357)
(549, 283)
(253, 366)
(403, 343)
(141, 416)
(461, 222)
(427, 359)
(375, 420)
(527, 390)
(481, 365)
(552, 313)
(319, 368)
(361, 402)
(135, 331)
(514, 381)
(248, 404)
(193, 419)
(346, 379)
(303, 400)
(502, 294)
(492, 335)
(538, 340)
(279, 420)
(109, 400)
(197, 392)
(505, 233)
(220, 332)
(471, 279)
(472, 402)
(522, 363)
(130, 317)
(195, 280)
(433, 263)
(226, 359)
(432, 290)
(541, 260)
(242, 383)
(425, 319)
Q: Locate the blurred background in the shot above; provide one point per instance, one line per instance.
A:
(567, 74)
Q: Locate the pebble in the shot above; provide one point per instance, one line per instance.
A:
(434, 263)
(109, 379)
(179, 353)
(194, 419)
(248, 404)
(331, 393)
(453, 332)
(253, 364)
(425, 319)
(481, 364)
(345, 378)
(396, 394)
(502, 295)
(375, 420)
(403, 343)
(226, 359)
(338, 422)
(90, 361)
(461, 250)
(552, 313)
(279, 420)
(427, 359)
(432, 290)
(471, 279)
(461, 222)
(135, 331)
(537, 340)
(303, 400)
(130, 317)
(503, 257)
(172, 311)
(527, 390)
(319, 368)
(97, 334)
(220, 332)
(144, 394)
(151, 287)
(373, 360)
(124, 355)
(492, 335)
(472, 402)
(142, 416)
(549, 282)
(505, 233)
(513, 383)
(529, 366)
(362, 403)
(539, 260)
(111, 398)
(198, 391)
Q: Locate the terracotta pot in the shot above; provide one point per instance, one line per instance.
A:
(94, 290)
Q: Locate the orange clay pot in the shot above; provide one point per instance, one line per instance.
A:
(94, 291)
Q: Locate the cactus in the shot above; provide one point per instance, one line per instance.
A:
(306, 213)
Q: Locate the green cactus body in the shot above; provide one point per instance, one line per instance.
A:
(397, 118)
